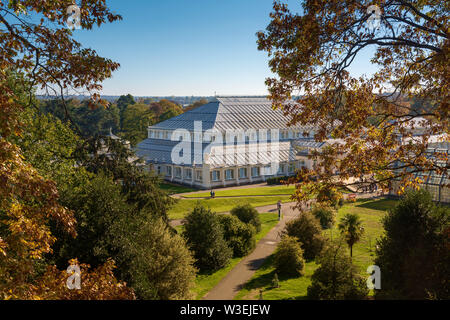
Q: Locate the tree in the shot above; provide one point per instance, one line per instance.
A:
(239, 236)
(161, 108)
(90, 122)
(98, 284)
(247, 214)
(414, 253)
(336, 278)
(124, 101)
(97, 203)
(370, 117)
(330, 196)
(325, 215)
(47, 145)
(196, 104)
(205, 237)
(169, 114)
(288, 257)
(136, 119)
(306, 228)
(51, 60)
(28, 203)
(154, 261)
(48, 54)
(141, 187)
(352, 230)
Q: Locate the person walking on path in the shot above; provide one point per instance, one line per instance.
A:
(279, 209)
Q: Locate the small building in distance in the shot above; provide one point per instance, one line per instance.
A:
(229, 141)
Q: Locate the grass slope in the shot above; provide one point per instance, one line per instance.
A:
(184, 206)
(370, 211)
(174, 188)
(259, 191)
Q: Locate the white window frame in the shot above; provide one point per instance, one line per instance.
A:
(217, 175)
(178, 172)
(187, 174)
(229, 176)
(245, 176)
(198, 175)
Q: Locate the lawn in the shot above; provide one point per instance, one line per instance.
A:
(370, 211)
(184, 206)
(258, 191)
(205, 282)
(174, 188)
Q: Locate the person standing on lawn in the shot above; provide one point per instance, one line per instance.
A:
(279, 209)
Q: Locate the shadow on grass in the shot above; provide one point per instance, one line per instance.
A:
(263, 281)
(381, 205)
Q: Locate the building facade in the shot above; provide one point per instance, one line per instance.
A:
(227, 142)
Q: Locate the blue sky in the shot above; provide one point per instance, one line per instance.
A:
(186, 47)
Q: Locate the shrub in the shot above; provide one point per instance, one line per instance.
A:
(330, 196)
(414, 253)
(288, 257)
(157, 263)
(277, 180)
(239, 236)
(205, 236)
(336, 278)
(306, 228)
(247, 214)
(275, 281)
(325, 215)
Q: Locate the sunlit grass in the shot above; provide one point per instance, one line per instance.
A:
(174, 188)
(259, 191)
(184, 206)
(371, 213)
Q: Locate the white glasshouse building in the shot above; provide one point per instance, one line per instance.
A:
(229, 141)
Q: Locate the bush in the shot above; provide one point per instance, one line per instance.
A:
(330, 196)
(247, 214)
(239, 236)
(306, 228)
(277, 180)
(325, 215)
(205, 236)
(414, 253)
(288, 257)
(157, 264)
(336, 278)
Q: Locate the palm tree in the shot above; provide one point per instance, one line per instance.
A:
(352, 229)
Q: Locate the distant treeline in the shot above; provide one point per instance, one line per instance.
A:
(181, 100)
(128, 117)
